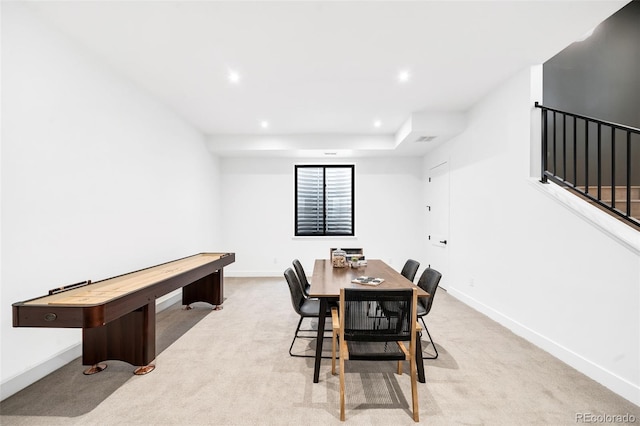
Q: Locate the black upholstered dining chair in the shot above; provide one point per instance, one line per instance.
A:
(428, 281)
(305, 307)
(302, 277)
(409, 269)
(365, 335)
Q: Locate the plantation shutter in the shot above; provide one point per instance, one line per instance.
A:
(338, 197)
(324, 200)
(310, 201)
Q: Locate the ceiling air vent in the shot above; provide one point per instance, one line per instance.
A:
(425, 138)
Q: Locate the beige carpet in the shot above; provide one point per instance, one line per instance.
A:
(231, 367)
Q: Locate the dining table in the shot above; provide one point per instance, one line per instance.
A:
(327, 281)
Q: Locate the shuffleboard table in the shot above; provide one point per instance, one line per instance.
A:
(117, 315)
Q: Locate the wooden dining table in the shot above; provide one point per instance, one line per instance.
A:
(327, 281)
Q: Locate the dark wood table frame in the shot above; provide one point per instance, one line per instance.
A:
(326, 283)
(117, 315)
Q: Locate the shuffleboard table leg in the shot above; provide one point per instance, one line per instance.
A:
(130, 338)
(96, 368)
(208, 289)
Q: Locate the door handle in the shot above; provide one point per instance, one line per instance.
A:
(443, 242)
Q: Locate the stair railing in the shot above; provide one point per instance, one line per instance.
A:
(585, 155)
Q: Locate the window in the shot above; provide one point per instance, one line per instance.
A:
(324, 200)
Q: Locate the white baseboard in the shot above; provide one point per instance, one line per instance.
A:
(601, 375)
(17, 383)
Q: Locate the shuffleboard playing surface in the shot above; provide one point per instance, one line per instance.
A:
(103, 291)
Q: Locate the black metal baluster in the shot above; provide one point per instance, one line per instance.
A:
(575, 152)
(586, 156)
(599, 163)
(543, 166)
(564, 147)
(628, 173)
(555, 130)
(613, 167)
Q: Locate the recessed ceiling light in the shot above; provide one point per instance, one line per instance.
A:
(233, 76)
(377, 123)
(264, 124)
(403, 76)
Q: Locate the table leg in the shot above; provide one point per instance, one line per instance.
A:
(208, 289)
(321, 323)
(130, 338)
(419, 360)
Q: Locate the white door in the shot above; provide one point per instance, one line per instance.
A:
(437, 200)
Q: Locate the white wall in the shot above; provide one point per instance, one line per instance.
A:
(258, 214)
(528, 261)
(97, 180)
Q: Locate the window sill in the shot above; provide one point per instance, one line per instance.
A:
(324, 237)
